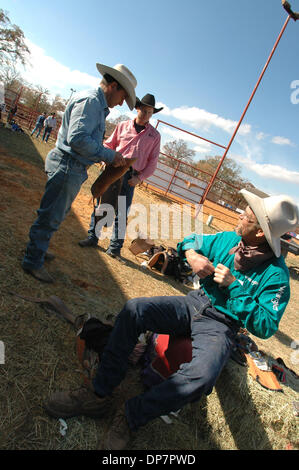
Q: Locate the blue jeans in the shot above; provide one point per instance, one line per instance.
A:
(212, 335)
(120, 221)
(47, 133)
(37, 128)
(65, 178)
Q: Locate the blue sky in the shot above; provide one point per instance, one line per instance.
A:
(200, 59)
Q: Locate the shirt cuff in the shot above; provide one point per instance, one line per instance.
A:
(107, 155)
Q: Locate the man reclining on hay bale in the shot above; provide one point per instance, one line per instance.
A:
(244, 283)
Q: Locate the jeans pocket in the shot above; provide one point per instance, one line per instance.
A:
(53, 162)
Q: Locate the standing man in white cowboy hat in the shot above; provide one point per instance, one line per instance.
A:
(244, 283)
(139, 140)
(79, 144)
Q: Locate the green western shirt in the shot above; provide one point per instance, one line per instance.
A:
(257, 298)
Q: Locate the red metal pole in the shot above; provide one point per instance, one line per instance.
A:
(203, 198)
(34, 110)
(172, 178)
(190, 133)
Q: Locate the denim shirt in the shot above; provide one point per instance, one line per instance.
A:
(83, 127)
(40, 120)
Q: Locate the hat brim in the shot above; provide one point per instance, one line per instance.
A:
(122, 80)
(256, 203)
(140, 102)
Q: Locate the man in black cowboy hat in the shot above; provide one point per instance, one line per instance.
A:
(139, 140)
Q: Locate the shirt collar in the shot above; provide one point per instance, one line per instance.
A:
(145, 127)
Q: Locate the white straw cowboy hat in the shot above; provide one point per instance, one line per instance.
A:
(124, 77)
(276, 215)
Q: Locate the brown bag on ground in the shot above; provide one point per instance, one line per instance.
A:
(141, 245)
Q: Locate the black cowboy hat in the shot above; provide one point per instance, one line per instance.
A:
(147, 100)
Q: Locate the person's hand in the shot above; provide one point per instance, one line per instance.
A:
(223, 276)
(200, 265)
(134, 181)
(119, 160)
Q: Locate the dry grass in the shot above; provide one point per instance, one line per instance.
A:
(39, 347)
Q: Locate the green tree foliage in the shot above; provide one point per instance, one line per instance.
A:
(229, 179)
(12, 42)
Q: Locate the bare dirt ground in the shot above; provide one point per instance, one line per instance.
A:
(40, 348)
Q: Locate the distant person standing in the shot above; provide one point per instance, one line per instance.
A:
(12, 112)
(2, 110)
(49, 124)
(39, 124)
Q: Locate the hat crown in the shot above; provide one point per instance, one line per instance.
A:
(124, 77)
(281, 214)
(276, 215)
(149, 100)
(125, 71)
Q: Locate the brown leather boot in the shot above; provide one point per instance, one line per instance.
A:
(49, 256)
(82, 401)
(41, 274)
(88, 242)
(119, 433)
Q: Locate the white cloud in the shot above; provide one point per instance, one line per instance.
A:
(56, 77)
(204, 120)
(199, 145)
(269, 171)
(261, 136)
(278, 140)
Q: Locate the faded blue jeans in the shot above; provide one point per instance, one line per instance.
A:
(65, 178)
(212, 335)
(120, 221)
(47, 133)
(37, 128)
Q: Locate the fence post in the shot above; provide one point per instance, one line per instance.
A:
(174, 173)
(33, 111)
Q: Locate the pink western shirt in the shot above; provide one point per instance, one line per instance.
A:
(145, 146)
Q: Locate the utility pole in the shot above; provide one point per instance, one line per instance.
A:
(72, 91)
(294, 16)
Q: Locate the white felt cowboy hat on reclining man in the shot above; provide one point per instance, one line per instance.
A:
(124, 77)
(276, 215)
